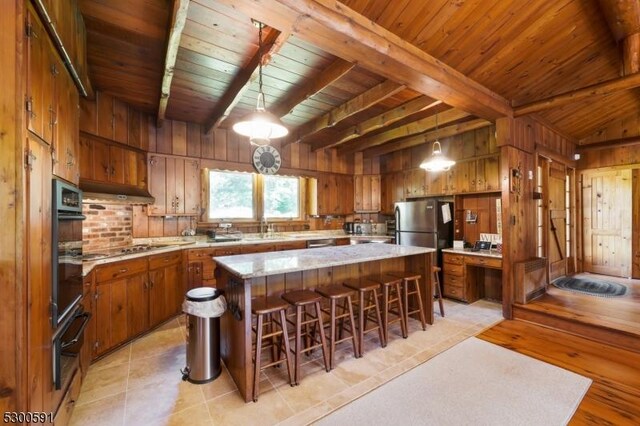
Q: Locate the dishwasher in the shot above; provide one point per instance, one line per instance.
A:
(321, 243)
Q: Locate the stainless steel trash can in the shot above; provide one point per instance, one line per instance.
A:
(203, 340)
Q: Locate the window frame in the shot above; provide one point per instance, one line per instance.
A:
(258, 199)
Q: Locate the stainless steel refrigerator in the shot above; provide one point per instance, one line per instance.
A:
(425, 223)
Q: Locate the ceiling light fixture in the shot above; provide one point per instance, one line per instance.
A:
(260, 125)
(438, 162)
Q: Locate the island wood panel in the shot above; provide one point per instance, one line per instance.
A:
(236, 336)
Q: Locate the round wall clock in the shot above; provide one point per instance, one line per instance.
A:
(266, 160)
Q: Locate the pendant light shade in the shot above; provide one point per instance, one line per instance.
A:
(260, 126)
(437, 162)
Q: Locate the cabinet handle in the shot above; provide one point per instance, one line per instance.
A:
(166, 260)
(123, 270)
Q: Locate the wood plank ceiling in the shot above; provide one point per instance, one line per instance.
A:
(521, 51)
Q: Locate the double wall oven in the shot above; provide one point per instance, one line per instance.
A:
(67, 315)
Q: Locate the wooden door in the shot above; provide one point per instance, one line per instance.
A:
(157, 185)
(174, 290)
(38, 326)
(191, 187)
(606, 222)
(137, 304)
(37, 70)
(101, 163)
(157, 302)
(557, 210)
(116, 164)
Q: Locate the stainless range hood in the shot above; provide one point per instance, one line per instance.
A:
(114, 194)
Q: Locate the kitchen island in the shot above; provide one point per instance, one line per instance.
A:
(244, 277)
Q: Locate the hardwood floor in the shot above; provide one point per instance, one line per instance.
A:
(615, 320)
(614, 396)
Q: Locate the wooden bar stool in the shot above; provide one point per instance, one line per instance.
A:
(436, 279)
(409, 279)
(336, 293)
(367, 301)
(301, 300)
(391, 294)
(265, 308)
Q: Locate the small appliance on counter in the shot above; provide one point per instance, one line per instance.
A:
(349, 227)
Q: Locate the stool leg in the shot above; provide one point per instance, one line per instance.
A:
(323, 338)
(356, 349)
(423, 317)
(385, 312)
(285, 337)
(274, 347)
(256, 365)
(402, 310)
(383, 340)
(361, 320)
(439, 290)
(298, 347)
(332, 333)
(405, 297)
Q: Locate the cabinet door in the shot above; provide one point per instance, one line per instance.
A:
(157, 185)
(102, 166)
(170, 184)
(375, 193)
(157, 303)
(116, 164)
(192, 187)
(111, 314)
(66, 143)
(86, 159)
(480, 182)
(174, 290)
(194, 275)
(178, 186)
(137, 304)
(37, 72)
(358, 193)
(344, 187)
(492, 173)
(141, 170)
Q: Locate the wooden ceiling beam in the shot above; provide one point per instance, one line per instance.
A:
(415, 127)
(428, 137)
(419, 104)
(353, 106)
(622, 16)
(271, 44)
(325, 78)
(339, 30)
(179, 12)
(605, 88)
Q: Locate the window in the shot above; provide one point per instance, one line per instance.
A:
(281, 197)
(248, 196)
(231, 195)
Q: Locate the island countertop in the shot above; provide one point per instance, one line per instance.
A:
(271, 263)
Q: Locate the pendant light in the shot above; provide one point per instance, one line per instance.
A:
(260, 126)
(437, 162)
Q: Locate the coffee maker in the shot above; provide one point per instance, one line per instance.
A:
(349, 228)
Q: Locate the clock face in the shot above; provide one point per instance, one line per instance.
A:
(266, 160)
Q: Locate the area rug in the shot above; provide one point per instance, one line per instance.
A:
(591, 286)
(473, 383)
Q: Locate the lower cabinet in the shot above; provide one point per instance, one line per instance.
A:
(133, 296)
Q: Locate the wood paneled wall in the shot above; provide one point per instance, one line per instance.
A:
(518, 140)
(609, 157)
(110, 118)
(476, 143)
(13, 389)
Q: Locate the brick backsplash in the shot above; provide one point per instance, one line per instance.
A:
(107, 226)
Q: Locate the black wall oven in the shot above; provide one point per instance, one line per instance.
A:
(67, 251)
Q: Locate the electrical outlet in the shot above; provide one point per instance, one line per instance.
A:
(224, 225)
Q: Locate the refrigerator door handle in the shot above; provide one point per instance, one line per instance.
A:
(397, 215)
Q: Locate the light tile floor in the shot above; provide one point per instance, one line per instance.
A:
(141, 383)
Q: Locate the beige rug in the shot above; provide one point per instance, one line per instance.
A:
(473, 383)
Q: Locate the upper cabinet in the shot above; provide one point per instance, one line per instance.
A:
(175, 184)
(335, 194)
(366, 193)
(107, 162)
(51, 100)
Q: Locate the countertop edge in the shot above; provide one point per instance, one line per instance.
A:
(463, 252)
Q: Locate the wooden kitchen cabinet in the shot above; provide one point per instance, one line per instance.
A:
(392, 191)
(105, 162)
(335, 194)
(366, 193)
(111, 315)
(166, 286)
(175, 184)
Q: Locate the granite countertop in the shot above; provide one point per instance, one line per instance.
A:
(272, 263)
(467, 252)
(185, 243)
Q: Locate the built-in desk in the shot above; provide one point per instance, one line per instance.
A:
(472, 275)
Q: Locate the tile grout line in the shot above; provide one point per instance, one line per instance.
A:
(126, 389)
